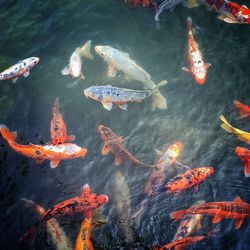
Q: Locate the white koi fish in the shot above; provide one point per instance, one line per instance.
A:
(120, 61)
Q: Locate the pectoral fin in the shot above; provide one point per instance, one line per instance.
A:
(186, 69)
(118, 161)
(238, 223)
(107, 105)
(196, 187)
(54, 163)
(26, 74)
(238, 199)
(111, 72)
(105, 149)
(65, 71)
(216, 219)
(123, 106)
(226, 19)
(14, 79)
(207, 65)
(70, 138)
(39, 161)
(191, 3)
(85, 189)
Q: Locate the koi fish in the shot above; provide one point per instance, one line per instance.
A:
(83, 241)
(57, 234)
(115, 144)
(58, 129)
(108, 95)
(165, 5)
(242, 135)
(189, 225)
(157, 177)
(23, 67)
(74, 68)
(230, 12)
(122, 202)
(182, 243)
(84, 203)
(235, 209)
(243, 109)
(191, 178)
(53, 153)
(197, 66)
(144, 3)
(244, 155)
(120, 61)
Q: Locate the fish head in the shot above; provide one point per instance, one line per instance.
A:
(96, 200)
(206, 171)
(74, 150)
(241, 152)
(32, 61)
(174, 149)
(105, 52)
(200, 73)
(2, 77)
(94, 93)
(243, 15)
(106, 133)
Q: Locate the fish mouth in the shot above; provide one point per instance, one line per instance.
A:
(86, 93)
(100, 128)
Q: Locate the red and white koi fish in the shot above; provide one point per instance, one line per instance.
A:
(58, 129)
(230, 12)
(243, 109)
(191, 178)
(84, 203)
(189, 225)
(53, 153)
(108, 95)
(23, 67)
(182, 243)
(244, 155)
(74, 68)
(56, 233)
(115, 144)
(236, 209)
(197, 67)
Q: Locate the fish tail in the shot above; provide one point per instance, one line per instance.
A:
(85, 50)
(6, 134)
(139, 212)
(56, 103)
(159, 101)
(243, 109)
(177, 215)
(226, 126)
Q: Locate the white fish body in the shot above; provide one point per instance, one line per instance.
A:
(120, 61)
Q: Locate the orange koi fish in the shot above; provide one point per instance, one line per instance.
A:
(53, 153)
(115, 144)
(83, 241)
(243, 109)
(189, 225)
(58, 129)
(197, 67)
(236, 209)
(182, 243)
(84, 203)
(58, 236)
(191, 178)
(244, 155)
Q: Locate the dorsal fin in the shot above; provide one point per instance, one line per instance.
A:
(85, 190)
(238, 199)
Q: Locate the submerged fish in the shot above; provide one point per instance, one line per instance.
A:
(53, 153)
(115, 144)
(197, 67)
(236, 209)
(120, 61)
(108, 95)
(191, 178)
(74, 68)
(23, 67)
(243, 109)
(58, 129)
(242, 135)
(57, 234)
(230, 12)
(189, 225)
(84, 203)
(244, 155)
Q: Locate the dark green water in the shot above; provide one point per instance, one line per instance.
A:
(52, 30)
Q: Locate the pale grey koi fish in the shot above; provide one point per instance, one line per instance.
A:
(108, 95)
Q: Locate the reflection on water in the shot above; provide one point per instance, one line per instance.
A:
(52, 30)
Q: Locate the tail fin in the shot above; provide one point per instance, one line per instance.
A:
(139, 212)
(56, 103)
(65, 71)
(177, 215)
(159, 101)
(243, 109)
(85, 50)
(6, 134)
(226, 126)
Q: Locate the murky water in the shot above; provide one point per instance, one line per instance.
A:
(52, 30)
